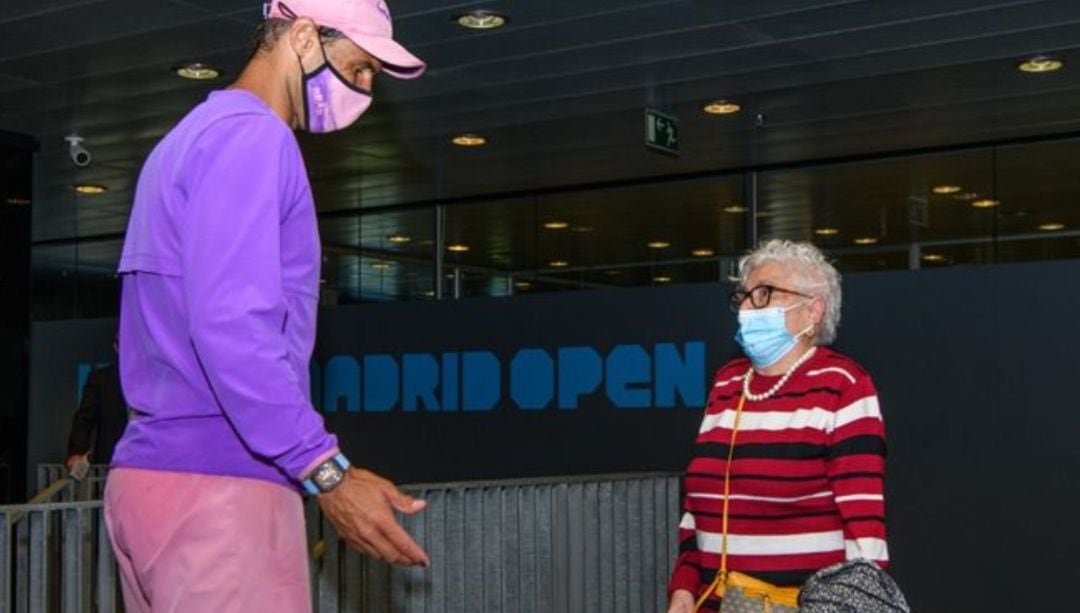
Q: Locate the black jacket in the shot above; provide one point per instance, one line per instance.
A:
(101, 417)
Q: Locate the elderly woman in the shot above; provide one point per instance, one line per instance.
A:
(792, 432)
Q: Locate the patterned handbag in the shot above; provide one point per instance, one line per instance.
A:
(740, 593)
(855, 586)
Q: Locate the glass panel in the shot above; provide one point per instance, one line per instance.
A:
(867, 215)
(667, 232)
(383, 255)
(75, 280)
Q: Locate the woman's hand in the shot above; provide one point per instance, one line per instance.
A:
(682, 601)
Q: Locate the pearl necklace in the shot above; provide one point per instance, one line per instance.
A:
(787, 375)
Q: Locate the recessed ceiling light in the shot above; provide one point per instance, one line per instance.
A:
(662, 279)
(481, 20)
(826, 231)
(735, 208)
(1052, 227)
(946, 189)
(197, 71)
(457, 247)
(429, 294)
(380, 265)
(469, 140)
(722, 107)
(985, 203)
(866, 240)
(399, 239)
(90, 189)
(933, 257)
(558, 263)
(17, 201)
(1040, 63)
(659, 245)
(702, 253)
(522, 284)
(556, 225)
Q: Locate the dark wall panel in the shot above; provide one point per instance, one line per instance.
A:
(16, 159)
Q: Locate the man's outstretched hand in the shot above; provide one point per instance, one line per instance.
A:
(361, 508)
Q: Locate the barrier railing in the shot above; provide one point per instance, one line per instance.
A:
(56, 557)
(589, 544)
(90, 487)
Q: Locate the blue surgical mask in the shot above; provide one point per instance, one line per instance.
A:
(763, 335)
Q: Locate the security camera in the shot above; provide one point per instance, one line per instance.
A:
(80, 156)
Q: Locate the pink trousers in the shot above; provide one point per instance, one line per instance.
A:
(186, 542)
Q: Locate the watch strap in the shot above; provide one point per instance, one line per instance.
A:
(309, 483)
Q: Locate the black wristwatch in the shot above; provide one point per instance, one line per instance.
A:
(327, 475)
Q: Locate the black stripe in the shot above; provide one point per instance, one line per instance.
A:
(812, 390)
(864, 444)
(693, 564)
(772, 451)
(875, 518)
(689, 544)
(757, 477)
(785, 578)
(860, 475)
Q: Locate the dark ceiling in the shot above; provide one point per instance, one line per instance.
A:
(559, 93)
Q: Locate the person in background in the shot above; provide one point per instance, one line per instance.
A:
(220, 285)
(100, 420)
(807, 466)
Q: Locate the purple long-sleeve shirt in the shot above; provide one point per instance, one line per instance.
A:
(220, 291)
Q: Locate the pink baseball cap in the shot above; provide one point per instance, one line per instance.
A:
(365, 22)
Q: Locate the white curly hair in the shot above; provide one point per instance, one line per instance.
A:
(812, 273)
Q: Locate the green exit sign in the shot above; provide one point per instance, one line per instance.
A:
(661, 131)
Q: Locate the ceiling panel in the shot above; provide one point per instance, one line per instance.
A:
(560, 92)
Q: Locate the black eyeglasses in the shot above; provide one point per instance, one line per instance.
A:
(759, 296)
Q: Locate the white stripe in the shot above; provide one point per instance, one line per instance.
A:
(860, 409)
(773, 421)
(776, 544)
(822, 371)
(687, 522)
(853, 497)
(759, 498)
(868, 548)
(727, 381)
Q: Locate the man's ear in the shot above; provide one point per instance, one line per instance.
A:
(303, 37)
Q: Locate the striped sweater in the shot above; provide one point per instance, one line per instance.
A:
(806, 479)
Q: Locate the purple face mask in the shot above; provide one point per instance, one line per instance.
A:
(331, 102)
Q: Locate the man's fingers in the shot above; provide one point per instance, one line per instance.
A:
(405, 503)
(379, 547)
(403, 543)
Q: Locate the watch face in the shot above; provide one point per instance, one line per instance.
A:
(327, 475)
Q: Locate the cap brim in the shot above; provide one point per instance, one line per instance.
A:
(396, 61)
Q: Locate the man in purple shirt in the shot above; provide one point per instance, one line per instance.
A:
(220, 291)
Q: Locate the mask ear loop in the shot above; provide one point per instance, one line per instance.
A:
(808, 330)
(306, 76)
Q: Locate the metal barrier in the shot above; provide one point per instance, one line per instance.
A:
(590, 544)
(56, 557)
(91, 487)
(595, 545)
